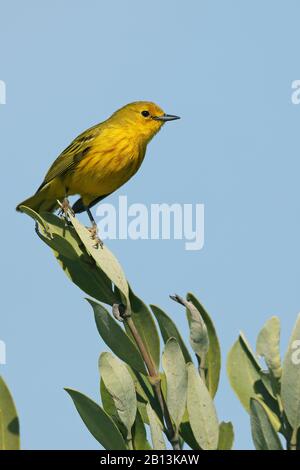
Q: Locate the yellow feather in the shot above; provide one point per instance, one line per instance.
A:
(101, 159)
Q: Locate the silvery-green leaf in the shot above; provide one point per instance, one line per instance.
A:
(176, 377)
(157, 437)
(274, 416)
(267, 345)
(263, 433)
(202, 413)
(119, 384)
(198, 332)
(104, 258)
(244, 373)
(74, 259)
(290, 380)
(213, 356)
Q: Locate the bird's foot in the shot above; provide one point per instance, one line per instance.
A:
(94, 236)
(65, 208)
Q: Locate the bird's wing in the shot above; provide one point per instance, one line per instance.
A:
(72, 155)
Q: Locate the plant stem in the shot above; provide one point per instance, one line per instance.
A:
(293, 442)
(155, 382)
(146, 356)
(129, 442)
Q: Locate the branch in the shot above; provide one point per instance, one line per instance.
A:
(153, 373)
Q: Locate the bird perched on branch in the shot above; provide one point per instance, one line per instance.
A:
(100, 160)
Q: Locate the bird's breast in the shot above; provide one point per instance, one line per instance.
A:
(105, 168)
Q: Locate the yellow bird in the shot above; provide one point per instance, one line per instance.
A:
(101, 159)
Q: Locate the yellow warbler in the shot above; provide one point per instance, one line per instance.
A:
(101, 159)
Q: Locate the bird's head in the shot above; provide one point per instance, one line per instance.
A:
(143, 117)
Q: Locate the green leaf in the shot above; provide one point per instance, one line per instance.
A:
(145, 394)
(109, 407)
(226, 436)
(75, 261)
(168, 330)
(37, 217)
(142, 385)
(145, 325)
(9, 422)
(176, 377)
(244, 373)
(263, 434)
(268, 380)
(140, 441)
(108, 403)
(187, 434)
(98, 422)
(158, 441)
(213, 357)
(290, 380)
(116, 339)
(268, 344)
(202, 414)
(119, 384)
(198, 332)
(104, 259)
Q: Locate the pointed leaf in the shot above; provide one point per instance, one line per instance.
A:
(244, 373)
(187, 434)
(226, 436)
(168, 330)
(116, 339)
(119, 384)
(213, 357)
(267, 345)
(290, 380)
(108, 403)
(202, 414)
(274, 416)
(9, 422)
(145, 394)
(109, 407)
(176, 380)
(104, 259)
(263, 434)
(98, 422)
(139, 436)
(199, 339)
(73, 257)
(142, 385)
(158, 441)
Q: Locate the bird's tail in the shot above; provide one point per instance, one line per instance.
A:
(38, 203)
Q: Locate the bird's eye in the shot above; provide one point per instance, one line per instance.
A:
(145, 113)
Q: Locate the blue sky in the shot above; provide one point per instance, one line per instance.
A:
(226, 67)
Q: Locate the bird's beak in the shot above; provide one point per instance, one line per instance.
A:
(165, 117)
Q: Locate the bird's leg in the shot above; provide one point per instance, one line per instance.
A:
(64, 208)
(94, 229)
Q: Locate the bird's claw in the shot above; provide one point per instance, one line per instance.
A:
(94, 236)
(65, 208)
